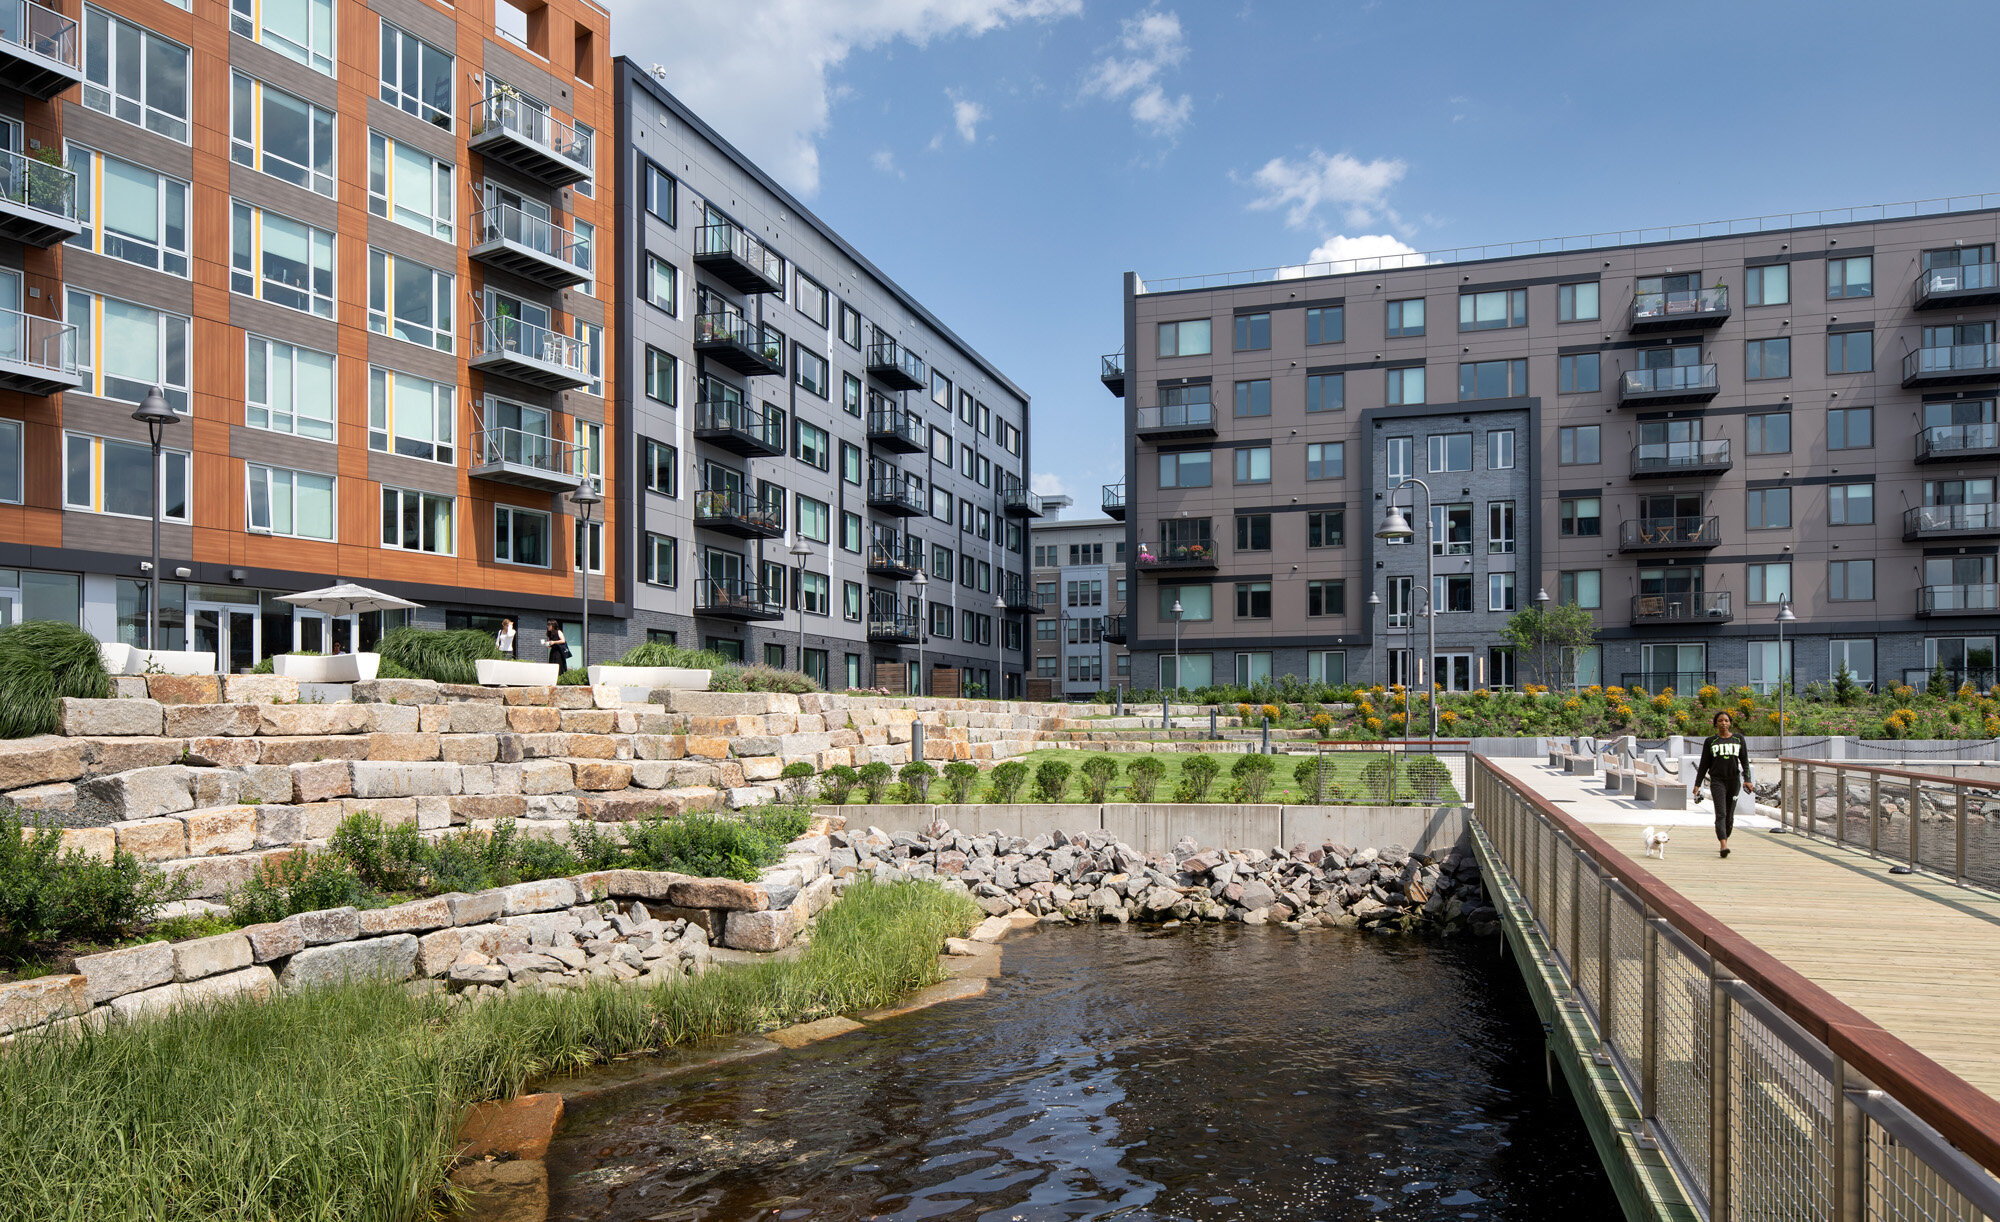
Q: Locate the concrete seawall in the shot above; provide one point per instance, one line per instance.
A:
(1154, 827)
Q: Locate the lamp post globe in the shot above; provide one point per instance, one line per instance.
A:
(157, 415)
(1000, 648)
(1784, 617)
(923, 625)
(801, 552)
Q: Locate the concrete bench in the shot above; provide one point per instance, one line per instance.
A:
(636, 684)
(1580, 765)
(1620, 780)
(120, 659)
(504, 672)
(335, 668)
(1661, 792)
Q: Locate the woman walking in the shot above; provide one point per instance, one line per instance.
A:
(558, 646)
(1724, 756)
(503, 640)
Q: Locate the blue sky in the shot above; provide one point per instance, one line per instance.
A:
(1008, 160)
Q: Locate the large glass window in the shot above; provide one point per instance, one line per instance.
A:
(1850, 428)
(277, 259)
(287, 389)
(520, 536)
(1326, 324)
(1579, 445)
(410, 301)
(1768, 508)
(1326, 392)
(1450, 452)
(1493, 311)
(10, 461)
(1856, 657)
(417, 521)
(1253, 398)
(1451, 530)
(1582, 588)
(1406, 318)
(1189, 469)
(1253, 465)
(284, 136)
(1492, 379)
(659, 188)
(1768, 285)
(297, 29)
(1769, 583)
(416, 76)
(411, 416)
(1850, 352)
(663, 468)
(1578, 374)
(130, 212)
(815, 519)
(1253, 332)
(1768, 432)
(1326, 597)
(1576, 302)
(1850, 505)
(135, 75)
(1197, 603)
(1582, 517)
(1767, 358)
(662, 376)
(126, 350)
(1253, 600)
(1190, 338)
(662, 284)
(1851, 580)
(811, 371)
(293, 503)
(409, 186)
(1326, 460)
(1852, 277)
(102, 475)
(1406, 387)
(1326, 528)
(663, 566)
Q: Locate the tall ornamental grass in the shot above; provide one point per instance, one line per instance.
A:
(443, 657)
(41, 661)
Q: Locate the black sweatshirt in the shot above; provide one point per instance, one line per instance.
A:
(1727, 758)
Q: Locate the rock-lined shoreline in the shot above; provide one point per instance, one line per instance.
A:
(1094, 877)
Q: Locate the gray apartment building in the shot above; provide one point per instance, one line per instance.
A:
(1080, 586)
(822, 474)
(1686, 437)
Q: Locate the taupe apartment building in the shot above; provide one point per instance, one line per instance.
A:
(1684, 436)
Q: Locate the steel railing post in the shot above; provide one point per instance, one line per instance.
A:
(1719, 1109)
(1575, 913)
(1812, 798)
(1959, 831)
(1874, 815)
(1850, 1154)
(1606, 1003)
(1916, 823)
(1649, 1021)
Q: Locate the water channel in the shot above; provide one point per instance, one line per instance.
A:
(1215, 1073)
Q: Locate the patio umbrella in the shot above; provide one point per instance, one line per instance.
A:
(348, 599)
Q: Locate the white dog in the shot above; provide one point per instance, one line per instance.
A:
(1656, 841)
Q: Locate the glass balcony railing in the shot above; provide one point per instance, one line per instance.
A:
(1956, 282)
(514, 340)
(1672, 380)
(1926, 520)
(1174, 416)
(1957, 362)
(538, 235)
(501, 452)
(37, 184)
(1960, 599)
(502, 114)
(1676, 457)
(39, 30)
(37, 343)
(1944, 442)
(1708, 607)
(1680, 305)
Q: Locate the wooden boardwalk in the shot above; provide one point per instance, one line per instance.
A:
(1917, 955)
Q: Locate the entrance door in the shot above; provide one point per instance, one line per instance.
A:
(517, 433)
(313, 632)
(233, 633)
(1454, 671)
(10, 608)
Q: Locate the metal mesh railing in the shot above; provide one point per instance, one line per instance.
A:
(1787, 1171)
(1941, 824)
(1899, 1186)
(1590, 950)
(1628, 987)
(1681, 1066)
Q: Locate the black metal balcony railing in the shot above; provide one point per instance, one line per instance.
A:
(736, 342)
(1982, 598)
(894, 365)
(1114, 628)
(893, 627)
(1966, 284)
(1111, 370)
(1651, 458)
(730, 254)
(1955, 363)
(739, 427)
(1176, 418)
(1017, 502)
(890, 555)
(1673, 384)
(1183, 552)
(1681, 308)
(1932, 521)
(1709, 607)
(1114, 502)
(1952, 442)
(1018, 597)
(1669, 534)
(1683, 682)
(737, 598)
(737, 511)
(893, 428)
(894, 493)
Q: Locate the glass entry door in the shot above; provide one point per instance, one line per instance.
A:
(233, 633)
(313, 632)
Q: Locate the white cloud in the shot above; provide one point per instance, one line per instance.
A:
(1048, 483)
(1153, 42)
(1358, 188)
(966, 117)
(1340, 254)
(761, 71)
(885, 161)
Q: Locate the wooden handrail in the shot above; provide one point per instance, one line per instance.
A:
(1966, 1116)
(1849, 766)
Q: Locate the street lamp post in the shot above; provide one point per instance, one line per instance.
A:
(1785, 616)
(923, 625)
(156, 415)
(1374, 600)
(1394, 527)
(1000, 648)
(801, 551)
(1541, 604)
(585, 497)
(1166, 701)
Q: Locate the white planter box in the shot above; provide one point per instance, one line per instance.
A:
(120, 659)
(636, 684)
(501, 672)
(339, 668)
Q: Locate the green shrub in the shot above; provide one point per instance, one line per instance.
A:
(771, 679)
(1142, 777)
(42, 661)
(797, 779)
(443, 657)
(917, 777)
(1379, 776)
(1429, 777)
(1097, 773)
(836, 783)
(1051, 780)
(1306, 775)
(594, 849)
(1198, 773)
(959, 778)
(297, 882)
(713, 846)
(51, 896)
(575, 677)
(1007, 781)
(384, 858)
(659, 653)
(1253, 775)
(875, 779)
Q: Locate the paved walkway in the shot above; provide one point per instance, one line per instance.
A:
(1916, 954)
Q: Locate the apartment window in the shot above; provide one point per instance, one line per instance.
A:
(588, 552)
(1768, 285)
(275, 133)
(134, 75)
(11, 476)
(941, 620)
(815, 448)
(1253, 600)
(1253, 398)
(1856, 657)
(1396, 459)
(416, 77)
(968, 410)
(966, 463)
(1326, 598)
(811, 371)
(1850, 352)
(1189, 469)
(1850, 428)
(144, 219)
(663, 560)
(1576, 302)
(1197, 603)
(1406, 318)
(964, 512)
(1768, 433)
(1768, 508)
(297, 504)
(589, 441)
(297, 29)
(1850, 504)
(850, 601)
(1851, 277)
(1770, 583)
(409, 186)
(1499, 528)
(940, 390)
(1851, 581)
(1326, 325)
(1322, 666)
(1767, 358)
(659, 193)
(1253, 534)
(662, 284)
(1326, 460)
(1253, 465)
(1451, 530)
(409, 301)
(1406, 387)
(1452, 593)
(985, 524)
(520, 536)
(663, 468)
(1582, 517)
(941, 562)
(1493, 311)
(591, 337)
(1189, 338)
(850, 532)
(1450, 452)
(1500, 450)
(417, 521)
(1326, 528)
(287, 389)
(1326, 392)
(1253, 332)
(1579, 374)
(850, 395)
(811, 299)
(815, 593)
(1583, 588)
(1579, 445)
(663, 376)
(410, 416)
(101, 475)
(1492, 379)
(850, 326)
(1499, 591)
(850, 463)
(124, 350)
(277, 259)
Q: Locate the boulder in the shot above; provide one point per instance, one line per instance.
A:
(120, 718)
(417, 916)
(140, 793)
(543, 896)
(392, 958)
(760, 931)
(117, 972)
(326, 925)
(723, 893)
(202, 957)
(39, 760)
(44, 999)
(184, 689)
(210, 720)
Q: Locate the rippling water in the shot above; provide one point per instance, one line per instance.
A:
(1111, 1072)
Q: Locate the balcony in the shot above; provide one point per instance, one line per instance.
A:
(39, 50)
(1669, 534)
(1949, 288)
(1951, 522)
(1111, 371)
(529, 246)
(529, 460)
(1114, 628)
(37, 201)
(893, 494)
(1959, 442)
(1981, 599)
(508, 129)
(1170, 420)
(732, 511)
(739, 427)
(892, 428)
(896, 366)
(1661, 459)
(1113, 502)
(736, 598)
(1674, 384)
(899, 558)
(734, 342)
(1680, 309)
(1019, 597)
(1017, 502)
(1683, 682)
(728, 253)
(37, 355)
(893, 627)
(1192, 549)
(1683, 608)
(531, 354)
(1952, 365)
